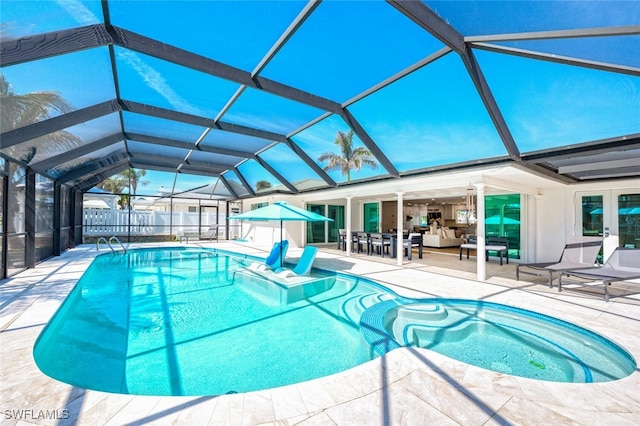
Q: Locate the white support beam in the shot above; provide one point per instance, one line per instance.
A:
(481, 269)
(348, 226)
(399, 227)
(505, 185)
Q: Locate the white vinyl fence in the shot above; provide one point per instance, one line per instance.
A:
(105, 223)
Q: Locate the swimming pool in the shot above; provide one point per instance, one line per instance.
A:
(182, 322)
(186, 322)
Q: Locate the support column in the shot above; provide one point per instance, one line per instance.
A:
(30, 218)
(532, 246)
(480, 232)
(57, 220)
(348, 226)
(399, 226)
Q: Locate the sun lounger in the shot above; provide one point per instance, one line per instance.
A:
(275, 258)
(210, 234)
(576, 255)
(622, 265)
(303, 268)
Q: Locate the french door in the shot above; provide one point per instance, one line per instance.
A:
(613, 215)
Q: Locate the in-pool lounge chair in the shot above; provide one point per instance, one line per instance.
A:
(275, 258)
(579, 254)
(303, 268)
(622, 265)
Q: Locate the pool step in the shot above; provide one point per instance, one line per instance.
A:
(353, 307)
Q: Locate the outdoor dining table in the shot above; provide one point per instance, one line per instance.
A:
(391, 236)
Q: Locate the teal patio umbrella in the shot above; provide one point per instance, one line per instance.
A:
(500, 220)
(281, 211)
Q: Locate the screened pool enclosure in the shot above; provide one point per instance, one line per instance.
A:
(186, 108)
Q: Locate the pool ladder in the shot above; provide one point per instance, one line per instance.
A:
(113, 238)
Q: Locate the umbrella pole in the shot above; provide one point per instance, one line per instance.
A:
(281, 243)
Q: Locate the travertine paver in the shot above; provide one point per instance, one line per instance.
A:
(406, 386)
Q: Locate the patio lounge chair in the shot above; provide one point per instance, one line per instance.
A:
(210, 234)
(576, 255)
(622, 265)
(275, 258)
(303, 268)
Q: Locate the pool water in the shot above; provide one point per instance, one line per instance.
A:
(177, 322)
(191, 322)
(500, 338)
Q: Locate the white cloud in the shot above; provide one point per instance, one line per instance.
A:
(79, 12)
(154, 80)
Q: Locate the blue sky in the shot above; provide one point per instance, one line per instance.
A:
(435, 111)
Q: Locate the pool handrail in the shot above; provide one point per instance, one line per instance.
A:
(113, 237)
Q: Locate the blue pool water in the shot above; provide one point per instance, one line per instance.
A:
(499, 338)
(192, 322)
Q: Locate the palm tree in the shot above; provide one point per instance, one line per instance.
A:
(349, 158)
(22, 110)
(118, 182)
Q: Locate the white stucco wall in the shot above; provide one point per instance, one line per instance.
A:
(553, 217)
(549, 219)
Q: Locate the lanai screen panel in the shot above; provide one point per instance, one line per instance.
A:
(173, 156)
(25, 18)
(259, 178)
(154, 183)
(390, 78)
(64, 140)
(572, 104)
(345, 47)
(264, 111)
(80, 161)
(473, 18)
(431, 117)
(237, 141)
(160, 127)
(81, 79)
(237, 33)
(320, 138)
(609, 50)
(155, 82)
(235, 183)
(219, 160)
(288, 164)
(188, 184)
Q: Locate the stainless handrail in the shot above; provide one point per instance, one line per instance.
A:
(119, 242)
(105, 240)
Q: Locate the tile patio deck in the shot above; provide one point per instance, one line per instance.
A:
(406, 386)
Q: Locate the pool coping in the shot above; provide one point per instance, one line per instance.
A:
(405, 386)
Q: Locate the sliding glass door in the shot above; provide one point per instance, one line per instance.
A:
(337, 214)
(325, 232)
(371, 217)
(316, 230)
(502, 219)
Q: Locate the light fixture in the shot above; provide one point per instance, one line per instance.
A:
(471, 209)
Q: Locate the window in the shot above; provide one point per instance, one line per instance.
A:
(258, 205)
